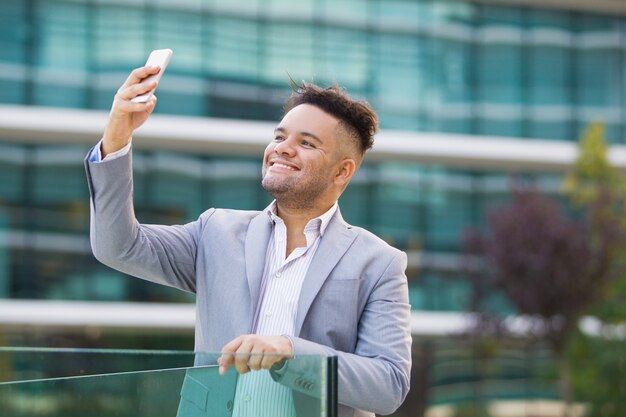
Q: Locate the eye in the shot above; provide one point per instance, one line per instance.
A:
(279, 138)
(307, 144)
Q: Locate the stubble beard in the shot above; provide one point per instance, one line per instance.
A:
(294, 192)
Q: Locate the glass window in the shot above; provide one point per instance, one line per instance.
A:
(12, 166)
(182, 90)
(186, 44)
(397, 213)
(236, 184)
(599, 68)
(401, 70)
(288, 49)
(451, 96)
(353, 12)
(14, 32)
(437, 291)
(233, 47)
(343, 57)
(301, 9)
(499, 72)
(357, 201)
(549, 94)
(403, 14)
(120, 43)
(243, 7)
(176, 187)
(58, 189)
(62, 57)
(450, 207)
(121, 34)
(15, 37)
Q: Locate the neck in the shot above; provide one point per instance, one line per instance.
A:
(296, 218)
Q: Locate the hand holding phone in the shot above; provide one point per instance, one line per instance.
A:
(159, 57)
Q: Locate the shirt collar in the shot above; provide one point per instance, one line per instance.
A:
(323, 220)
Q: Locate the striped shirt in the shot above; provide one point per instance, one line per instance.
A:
(257, 394)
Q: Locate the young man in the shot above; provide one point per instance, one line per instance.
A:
(292, 279)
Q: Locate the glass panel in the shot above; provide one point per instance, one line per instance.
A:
(301, 9)
(403, 14)
(343, 57)
(115, 26)
(354, 12)
(401, 72)
(550, 39)
(499, 81)
(465, 375)
(450, 206)
(62, 54)
(183, 90)
(13, 32)
(55, 382)
(399, 195)
(246, 7)
(14, 40)
(233, 49)
(439, 291)
(599, 69)
(288, 49)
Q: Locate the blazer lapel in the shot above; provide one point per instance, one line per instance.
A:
(257, 238)
(335, 242)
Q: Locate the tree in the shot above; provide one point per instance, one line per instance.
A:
(599, 374)
(549, 266)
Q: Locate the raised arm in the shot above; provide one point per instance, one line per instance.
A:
(163, 254)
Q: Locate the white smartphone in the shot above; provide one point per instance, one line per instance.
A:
(160, 57)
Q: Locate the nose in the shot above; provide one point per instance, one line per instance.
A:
(285, 147)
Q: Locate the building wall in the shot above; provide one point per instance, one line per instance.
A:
(444, 66)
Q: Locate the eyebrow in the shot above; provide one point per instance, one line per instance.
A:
(307, 134)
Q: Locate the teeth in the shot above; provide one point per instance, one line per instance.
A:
(276, 164)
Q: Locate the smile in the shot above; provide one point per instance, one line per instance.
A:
(283, 166)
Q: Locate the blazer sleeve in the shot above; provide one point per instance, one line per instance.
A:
(162, 254)
(375, 377)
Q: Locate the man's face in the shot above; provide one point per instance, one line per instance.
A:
(300, 163)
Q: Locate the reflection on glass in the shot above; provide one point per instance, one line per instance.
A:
(118, 383)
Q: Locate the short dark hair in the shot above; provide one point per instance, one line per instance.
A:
(358, 117)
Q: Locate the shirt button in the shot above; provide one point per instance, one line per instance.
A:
(268, 314)
(278, 274)
(246, 398)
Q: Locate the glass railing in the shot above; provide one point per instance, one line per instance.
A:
(123, 383)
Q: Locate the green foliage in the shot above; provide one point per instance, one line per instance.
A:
(592, 171)
(598, 364)
(599, 374)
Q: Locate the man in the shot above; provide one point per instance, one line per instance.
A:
(294, 279)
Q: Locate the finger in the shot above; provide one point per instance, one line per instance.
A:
(270, 359)
(135, 90)
(139, 74)
(243, 356)
(128, 106)
(228, 359)
(255, 361)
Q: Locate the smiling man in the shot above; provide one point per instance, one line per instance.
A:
(303, 280)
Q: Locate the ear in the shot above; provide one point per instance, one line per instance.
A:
(345, 170)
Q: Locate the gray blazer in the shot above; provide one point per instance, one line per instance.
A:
(353, 303)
